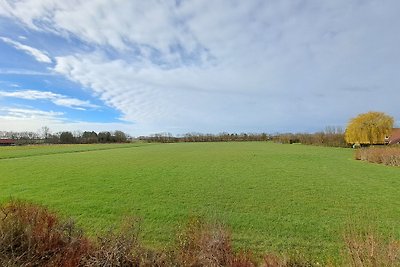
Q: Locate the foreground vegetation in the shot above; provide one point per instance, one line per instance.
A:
(31, 235)
(273, 197)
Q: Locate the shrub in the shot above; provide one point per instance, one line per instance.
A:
(383, 155)
(202, 244)
(116, 248)
(31, 235)
(123, 248)
(370, 249)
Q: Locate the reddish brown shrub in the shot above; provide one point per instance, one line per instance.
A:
(202, 244)
(271, 260)
(113, 250)
(383, 155)
(369, 249)
(31, 235)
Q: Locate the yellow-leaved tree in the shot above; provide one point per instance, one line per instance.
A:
(369, 128)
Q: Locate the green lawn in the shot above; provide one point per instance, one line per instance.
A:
(273, 197)
(34, 150)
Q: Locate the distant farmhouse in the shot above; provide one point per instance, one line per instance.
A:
(394, 137)
(7, 142)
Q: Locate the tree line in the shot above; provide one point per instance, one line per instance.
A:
(366, 129)
(200, 137)
(44, 136)
(332, 136)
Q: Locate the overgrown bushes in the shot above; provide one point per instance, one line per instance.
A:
(202, 245)
(384, 155)
(31, 235)
(369, 249)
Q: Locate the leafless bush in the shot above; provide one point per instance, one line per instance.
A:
(370, 250)
(202, 244)
(383, 155)
(124, 248)
(33, 236)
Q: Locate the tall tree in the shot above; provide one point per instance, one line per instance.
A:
(369, 128)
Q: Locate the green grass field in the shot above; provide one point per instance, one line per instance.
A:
(272, 197)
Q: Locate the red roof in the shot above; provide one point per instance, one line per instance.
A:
(394, 137)
(7, 141)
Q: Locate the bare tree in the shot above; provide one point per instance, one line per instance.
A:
(44, 132)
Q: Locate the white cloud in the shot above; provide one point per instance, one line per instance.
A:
(24, 72)
(28, 114)
(170, 100)
(116, 23)
(40, 56)
(228, 65)
(57, 99)
(29, 119)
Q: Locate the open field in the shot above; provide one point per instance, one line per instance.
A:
(35, 150)
(273, 197)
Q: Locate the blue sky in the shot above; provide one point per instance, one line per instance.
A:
(196, 66)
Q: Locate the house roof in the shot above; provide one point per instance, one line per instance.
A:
(394, 137)
(7, 141)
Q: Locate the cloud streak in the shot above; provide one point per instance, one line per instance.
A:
(28, 114)
(57, 99)
(24, 72)
(31, 119)
(40, 56)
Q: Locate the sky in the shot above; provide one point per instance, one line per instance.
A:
(183, 66)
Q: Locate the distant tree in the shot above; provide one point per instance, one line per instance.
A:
(369, 128)
(77, 136)
(67, 138)
(53, 138)
(104, 137)
(45, 132)
(120, 137)
(89, 137)
(264, 137)
(334, 136)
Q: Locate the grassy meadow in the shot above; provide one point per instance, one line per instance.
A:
(273, 197)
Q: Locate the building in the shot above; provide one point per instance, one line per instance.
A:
(394, 137)
(7, 142)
